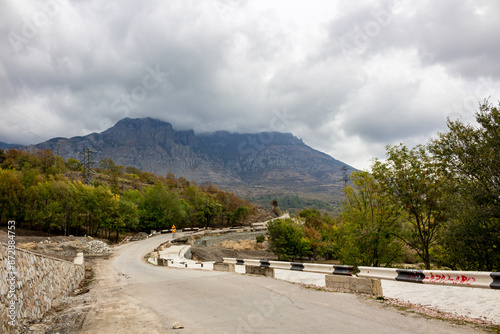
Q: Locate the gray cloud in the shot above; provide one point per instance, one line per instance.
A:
(460, 36)
(346, 78)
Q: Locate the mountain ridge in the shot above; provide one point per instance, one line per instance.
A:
(248, 163)
(7, 146)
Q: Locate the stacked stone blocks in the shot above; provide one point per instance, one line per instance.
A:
(39, 281)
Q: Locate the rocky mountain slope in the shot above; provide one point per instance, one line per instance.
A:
(249, 164)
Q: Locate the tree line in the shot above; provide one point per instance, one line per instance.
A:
(41, 191)
(439, 202)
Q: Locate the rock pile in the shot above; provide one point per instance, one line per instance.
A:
(139, 236)
(97, 247)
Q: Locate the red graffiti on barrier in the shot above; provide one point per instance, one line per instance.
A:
(444, 278)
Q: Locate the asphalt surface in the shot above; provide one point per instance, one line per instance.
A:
(461, 301)
(134, 296)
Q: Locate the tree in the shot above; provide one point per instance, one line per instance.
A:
(287, 240)
(207, 208)
(370, 224)
(133, 196)
(315, 226)
(52, 205)
(95, 207)
(102, 212)
(469, 156)
(315, 243)
(238, 214)
(30, 176)
(74, 165)
(412, 179)
(274, 208)
(15, 159)
(123, 215)
(162, 208)
(234, 209)
(11, 190)
(47, 160)
(107, 164)
(3, 157)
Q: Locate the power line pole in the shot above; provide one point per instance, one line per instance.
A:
(87, 161)
(345, 178)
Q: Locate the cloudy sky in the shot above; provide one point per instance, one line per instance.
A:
(348, 77)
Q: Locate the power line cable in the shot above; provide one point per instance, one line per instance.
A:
(20, 127)
(28, 117)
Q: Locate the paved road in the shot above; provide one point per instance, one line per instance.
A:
(461, 301)
(136, 297)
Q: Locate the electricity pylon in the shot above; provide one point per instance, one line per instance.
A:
(87, 161)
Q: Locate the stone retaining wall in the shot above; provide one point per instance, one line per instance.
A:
(215, 241)
(39, 280)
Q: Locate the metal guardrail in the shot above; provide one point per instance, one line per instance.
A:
(307, 267)
(472, 279)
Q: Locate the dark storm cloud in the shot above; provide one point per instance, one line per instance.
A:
(348, 78)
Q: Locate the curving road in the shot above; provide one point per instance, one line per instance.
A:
(132, 296)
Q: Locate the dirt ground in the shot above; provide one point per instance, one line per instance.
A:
(216, 253)
(243, 249)
(60, 247)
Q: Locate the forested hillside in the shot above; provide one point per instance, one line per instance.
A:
(42, 191)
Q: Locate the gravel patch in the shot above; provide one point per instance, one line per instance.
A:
(472, 303)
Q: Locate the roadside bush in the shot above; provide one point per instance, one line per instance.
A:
(260, 239)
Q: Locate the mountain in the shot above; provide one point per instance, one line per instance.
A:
(5, 146)
(252, 165)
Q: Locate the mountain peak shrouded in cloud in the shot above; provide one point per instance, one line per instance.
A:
(248, 163)
(347, 78)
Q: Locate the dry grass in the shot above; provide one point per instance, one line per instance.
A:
(243, 245)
